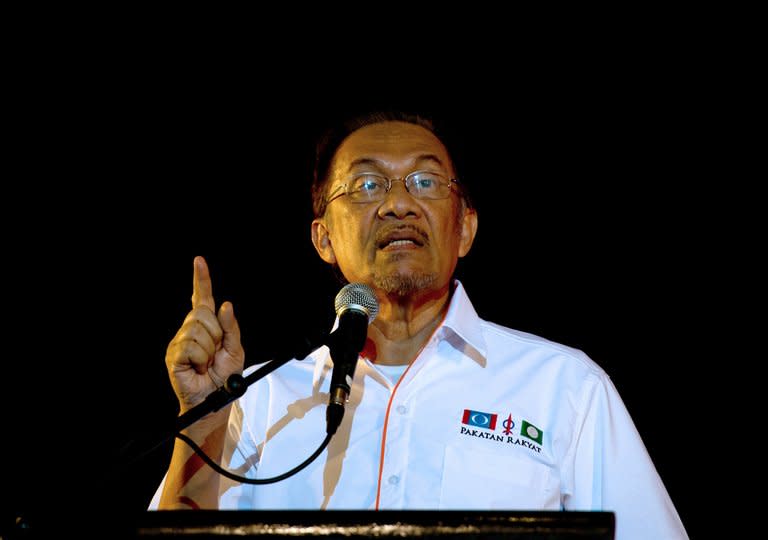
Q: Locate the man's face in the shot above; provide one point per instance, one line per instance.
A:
(400, 244)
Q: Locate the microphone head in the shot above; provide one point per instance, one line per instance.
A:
(357, 296)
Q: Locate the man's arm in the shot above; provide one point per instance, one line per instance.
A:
(204, 353)
(613, 471)
(189, 482)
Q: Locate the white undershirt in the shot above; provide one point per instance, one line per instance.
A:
(393, 373)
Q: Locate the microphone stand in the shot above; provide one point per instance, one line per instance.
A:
(233, 388)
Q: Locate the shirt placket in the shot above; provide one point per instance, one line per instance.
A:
(399, 425)
(396, 449)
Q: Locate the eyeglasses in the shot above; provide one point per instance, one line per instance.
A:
(373, 187)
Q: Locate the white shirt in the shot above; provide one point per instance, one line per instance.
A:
(484, 418)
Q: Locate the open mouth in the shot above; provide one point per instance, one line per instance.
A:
(403, 237)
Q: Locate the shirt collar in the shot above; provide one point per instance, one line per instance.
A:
(463, 321)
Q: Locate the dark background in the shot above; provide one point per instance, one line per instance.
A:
(123, 172)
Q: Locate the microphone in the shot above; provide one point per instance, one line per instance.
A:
(356, 307)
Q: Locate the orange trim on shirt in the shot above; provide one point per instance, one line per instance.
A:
(384, 433)
(389, 406)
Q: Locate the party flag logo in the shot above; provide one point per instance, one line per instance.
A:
(531, 432)
(479, 419)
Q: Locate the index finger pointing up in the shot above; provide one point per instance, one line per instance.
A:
(202, 290)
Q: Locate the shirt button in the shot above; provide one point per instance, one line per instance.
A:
(402, 409)
(394, 479)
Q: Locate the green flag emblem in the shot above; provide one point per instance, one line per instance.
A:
(532, 432)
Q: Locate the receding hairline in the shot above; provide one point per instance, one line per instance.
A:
(421, 155)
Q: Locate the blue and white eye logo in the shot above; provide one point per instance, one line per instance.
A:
(479, 419)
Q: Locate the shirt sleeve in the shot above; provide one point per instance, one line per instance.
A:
(612, 471)
(240, 456)
(155, 502)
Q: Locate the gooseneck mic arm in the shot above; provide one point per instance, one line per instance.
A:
(356, 307)
(235, 387)
(236, 384)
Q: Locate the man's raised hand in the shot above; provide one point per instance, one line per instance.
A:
(206, 350)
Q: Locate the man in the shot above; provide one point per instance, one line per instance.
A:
(446, 411)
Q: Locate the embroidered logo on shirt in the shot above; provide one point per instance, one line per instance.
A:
(532, 432)
(479, 419)
(508, 424)
(487, 421)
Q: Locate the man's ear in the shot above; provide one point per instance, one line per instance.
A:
(321, 239)
(468, 231)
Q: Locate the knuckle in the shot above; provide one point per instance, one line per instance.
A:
(187, 352)
(177, 353)
(197, 312)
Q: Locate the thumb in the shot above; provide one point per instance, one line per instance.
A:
(231, 339)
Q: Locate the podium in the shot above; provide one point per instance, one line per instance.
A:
(346, 524)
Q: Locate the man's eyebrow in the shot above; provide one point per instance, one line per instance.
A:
(379, 163)
(365, 161)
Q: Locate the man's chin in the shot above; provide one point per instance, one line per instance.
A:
(404, 284)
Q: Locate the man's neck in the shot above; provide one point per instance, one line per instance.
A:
(401, 329)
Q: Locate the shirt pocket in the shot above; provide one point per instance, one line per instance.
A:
(475, 480)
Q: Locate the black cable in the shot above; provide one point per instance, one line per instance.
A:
(216, 467)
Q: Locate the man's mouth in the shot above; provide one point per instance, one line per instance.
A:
(409, 236)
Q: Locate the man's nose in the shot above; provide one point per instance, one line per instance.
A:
(399, 202)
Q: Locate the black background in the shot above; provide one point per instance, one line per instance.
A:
(125, 167)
